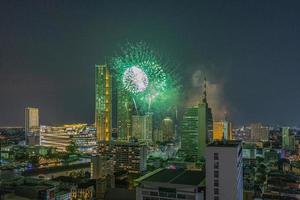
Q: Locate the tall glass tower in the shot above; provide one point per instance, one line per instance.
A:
(103, 107)
(124, 114)
(196, 129)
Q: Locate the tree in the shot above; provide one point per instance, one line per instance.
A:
(72, 148)
(34, 160)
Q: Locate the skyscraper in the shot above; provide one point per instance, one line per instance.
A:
(32, 126)
(196, 128)
(224, 171)
(103, 107)
(124, 114)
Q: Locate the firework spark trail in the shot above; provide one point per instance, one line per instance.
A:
(149, 81)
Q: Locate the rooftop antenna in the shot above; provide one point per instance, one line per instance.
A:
(204, 95)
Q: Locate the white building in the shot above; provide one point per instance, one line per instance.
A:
(224, 171)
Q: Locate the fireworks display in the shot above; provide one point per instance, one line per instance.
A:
(146, 78)
(135, 80)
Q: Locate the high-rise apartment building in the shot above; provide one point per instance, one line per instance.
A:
(224, 171)
(32, 126)
(196, 129)
(259, 132)
(127, 156)
(103, 107)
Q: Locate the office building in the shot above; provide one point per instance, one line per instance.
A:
(171, 184)
(103, 107)
(196, 129)
(124, 114)
(127, 156)
(167, 128)
(142, 127)
(32, 124)
(288, 139)
(224, 171)
(259, 132)
(222, 130)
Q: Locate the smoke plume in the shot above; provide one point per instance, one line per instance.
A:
(215, 94)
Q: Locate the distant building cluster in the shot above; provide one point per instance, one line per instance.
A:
(148, 157)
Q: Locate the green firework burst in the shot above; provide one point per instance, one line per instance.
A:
(143, 74)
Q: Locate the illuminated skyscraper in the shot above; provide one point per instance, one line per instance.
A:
(196, 129)
(103, 107)
(222, 130)
(31, 119)
(124, 114)
(32, 126)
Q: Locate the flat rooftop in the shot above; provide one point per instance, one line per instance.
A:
(229, 143)
(177, 176)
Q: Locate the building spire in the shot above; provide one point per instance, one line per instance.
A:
(204, 95)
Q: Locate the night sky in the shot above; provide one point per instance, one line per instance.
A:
(249, 51)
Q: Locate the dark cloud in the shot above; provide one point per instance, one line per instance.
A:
(248, 50)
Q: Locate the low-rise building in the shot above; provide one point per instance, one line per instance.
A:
(171, 184)
(60, 137)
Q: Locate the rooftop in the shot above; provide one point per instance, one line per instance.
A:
(225, 143)
(176, 176)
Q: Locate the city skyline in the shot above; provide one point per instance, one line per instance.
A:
(149, 100)
(48, 52)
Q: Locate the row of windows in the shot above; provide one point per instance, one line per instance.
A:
(216, 176)
(216, 156)
(165, 194)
